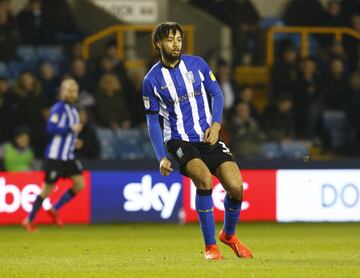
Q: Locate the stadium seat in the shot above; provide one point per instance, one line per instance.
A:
(107, 141)
(48, 53)
(4, 70)
(295, 149)
(271, 21)
(337, 130)
(15, 68)
(129, 144)
(270, 150)
(26, 53)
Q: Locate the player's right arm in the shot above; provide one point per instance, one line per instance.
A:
(151, 104)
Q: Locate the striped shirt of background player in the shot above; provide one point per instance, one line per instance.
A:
(62, 142)
(179, 95)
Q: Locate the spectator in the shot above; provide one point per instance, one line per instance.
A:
(337, 91)
(60, 16)
(279, 124)
(227, 84)
(6, 110)
(8, 32)
(27, 97)
(244, 132)
(104, 66)
(110, 108)
(133, 97)
(17, 154)
(80, 73)
(88, 144)
(285, 72)
(331, 17)
(307, 96)
(49, 81)
(34, 25)
(29, 100)
(111, 53)
(303, 13)
(246, 94)
(351, 44)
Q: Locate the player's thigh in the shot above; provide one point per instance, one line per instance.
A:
(183, 152)
(74, 170)
(229, 175)
(53, 171)
(199, 173)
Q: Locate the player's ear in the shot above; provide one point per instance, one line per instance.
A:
(158, 44)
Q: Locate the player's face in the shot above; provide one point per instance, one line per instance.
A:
(171, 46)
(70, 92)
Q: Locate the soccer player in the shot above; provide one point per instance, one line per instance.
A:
(63, 127)
(179, 89)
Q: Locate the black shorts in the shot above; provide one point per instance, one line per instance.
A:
(55, 169)
(212, 155)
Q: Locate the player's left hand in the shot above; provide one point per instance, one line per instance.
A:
(212, 134)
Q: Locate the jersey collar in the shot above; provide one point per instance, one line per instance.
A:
(165, 66)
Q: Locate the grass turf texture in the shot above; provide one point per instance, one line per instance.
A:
(171, 250)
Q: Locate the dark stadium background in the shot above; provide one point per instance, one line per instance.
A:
(290, 74)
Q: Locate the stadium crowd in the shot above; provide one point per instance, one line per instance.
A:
(313, 99)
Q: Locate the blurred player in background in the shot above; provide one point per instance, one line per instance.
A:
(63, 128)
(176, 88)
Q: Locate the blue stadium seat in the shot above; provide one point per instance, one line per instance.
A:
(49, 53)
(270, 150)
(271, 21)
(129, 144)
(337, 130)
(26, 53)
(296, 149)
(4, 70)
(15, 68)
(107, 141)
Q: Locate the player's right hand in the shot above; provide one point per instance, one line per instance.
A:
(77, 128)
(165, 166)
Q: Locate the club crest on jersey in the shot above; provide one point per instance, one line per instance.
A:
(180, 153)
(146, 102)
(190, 77)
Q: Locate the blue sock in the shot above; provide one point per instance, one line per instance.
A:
(66, 197)
(232, 212)
(205, 210)
(36, 206)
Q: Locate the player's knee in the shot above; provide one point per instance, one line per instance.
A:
(205, 182)
(236, 190)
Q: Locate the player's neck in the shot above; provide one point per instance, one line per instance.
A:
(169, 64)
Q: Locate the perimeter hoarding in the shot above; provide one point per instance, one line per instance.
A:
(259, 201)
(318, 195)
(18, 192)
(135, 196)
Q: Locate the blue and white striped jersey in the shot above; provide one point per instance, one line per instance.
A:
(181, 96)
(62, 138)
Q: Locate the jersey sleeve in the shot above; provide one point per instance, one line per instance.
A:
(57, 122)
(151, 102)
(213, 88)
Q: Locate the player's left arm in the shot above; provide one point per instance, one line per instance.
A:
(217, 103)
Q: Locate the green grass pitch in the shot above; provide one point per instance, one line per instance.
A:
(171, 250)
